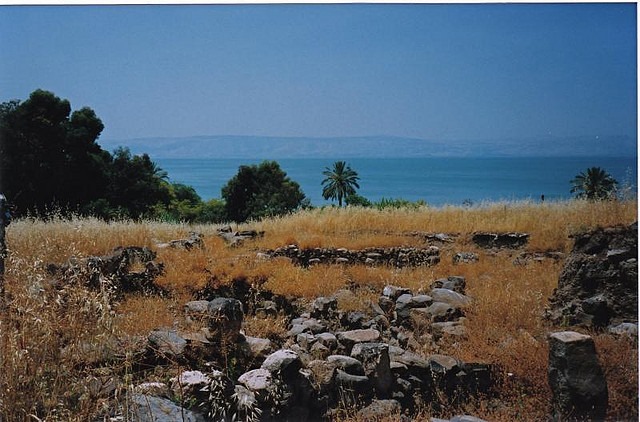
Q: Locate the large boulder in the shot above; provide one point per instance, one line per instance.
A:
(166, 343)
(380, 409)
(576, 378)
(283, 361)
(324, 307)
(144, 408)
(348, 364)
(453, 298)
(348, 338)
(598, 285)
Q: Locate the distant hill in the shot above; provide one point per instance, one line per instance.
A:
(265, 147)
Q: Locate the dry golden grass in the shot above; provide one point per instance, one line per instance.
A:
(504, 323)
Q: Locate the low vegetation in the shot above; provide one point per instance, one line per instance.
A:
(50, 336)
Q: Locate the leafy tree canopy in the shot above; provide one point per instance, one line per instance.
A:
(259, 191)
(48, 155)
(49, 158)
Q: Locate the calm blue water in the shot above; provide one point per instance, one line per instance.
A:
(437, 181)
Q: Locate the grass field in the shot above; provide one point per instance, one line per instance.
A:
(45, 363)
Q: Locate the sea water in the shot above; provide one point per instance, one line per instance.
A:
(437, 181)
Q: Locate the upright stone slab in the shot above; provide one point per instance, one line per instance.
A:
(225, 318)
(576, 378)
(375, 360)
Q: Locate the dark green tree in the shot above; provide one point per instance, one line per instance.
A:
(136, 184)
(259, 191)
(594, 184)
(340, 182)
(49, 157)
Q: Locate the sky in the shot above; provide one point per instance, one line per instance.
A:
(480, 71)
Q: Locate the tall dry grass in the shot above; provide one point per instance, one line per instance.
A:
(48, 335)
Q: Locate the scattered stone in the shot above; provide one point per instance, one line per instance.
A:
(436, 312)
(266, 308)
(238, 237)
(282, 361)
(348, 364)
(319, 351)
(359, 385)
(448, 328)
(195, 240)
(196, 311)
(323, 307)
(417, 365)
(386, 305)
(403, 306)
(145, 408)
(255, 348)
(465, 258)
(624, 328)
(394, 292)
(421, 301)
(455, 299)
(455, 283)
(354, 320)
(191, 384)
(576, 378)
(328, 340)
(380, 409)
(158, 389)
(166, 343)
(466, 418)
(525, 258)
(256, 379)
(324, 374)
(348, 338)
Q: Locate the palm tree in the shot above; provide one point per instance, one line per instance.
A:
(595, 184)
(341, 182)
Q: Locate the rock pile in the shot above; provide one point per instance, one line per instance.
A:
(125, 270)
(235, 238)
(500, 240)
(598, 286)
(195, 240)
(395, 257)
(329, 357)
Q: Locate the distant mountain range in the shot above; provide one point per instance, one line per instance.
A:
(265, 147)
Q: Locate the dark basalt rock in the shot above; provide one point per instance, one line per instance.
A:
(395, 257)
(113, 272)
(598, 285)
(500, 240)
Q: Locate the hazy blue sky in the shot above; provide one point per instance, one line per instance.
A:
(426, 71)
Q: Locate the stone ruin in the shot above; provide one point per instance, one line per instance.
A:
(125, 270)
(367, 359)
(394, 257)
(500, 240)
(598, 286)
(370, 358)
